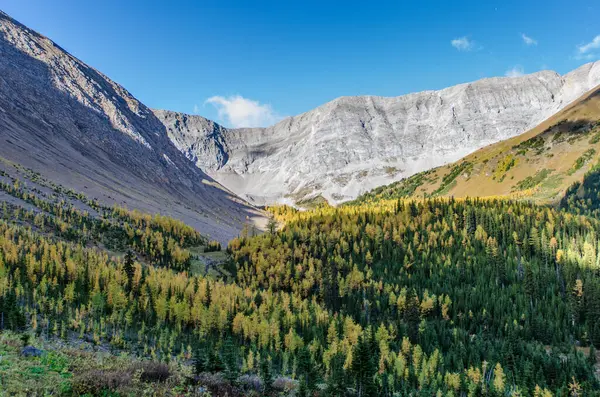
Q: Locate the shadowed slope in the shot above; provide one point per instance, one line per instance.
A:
(69, 122)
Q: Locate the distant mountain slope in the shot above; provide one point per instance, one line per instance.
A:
(539, 165)
(74, 125)
(583, 197)
(353, 144)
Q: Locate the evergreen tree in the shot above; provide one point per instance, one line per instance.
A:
(306, 369)
(266, 375)
(128, 267)
(230, 360)
(199, 361)
(364, 369)
(592, 356)
(412, 316)
(336, 382)
(272, 225)
(215, 363)
(11, 316)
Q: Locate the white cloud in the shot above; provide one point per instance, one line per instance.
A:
(588, 50)
(528, 40)
(587, 57)
(463, 44)
(196, 109)
(592, 45)
(515, 71)
(238, 111)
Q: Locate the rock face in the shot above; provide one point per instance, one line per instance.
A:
(76, 127)
(68, 121)
(30, 351)
(353, 144)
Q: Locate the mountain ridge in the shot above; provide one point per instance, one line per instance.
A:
(336, 151)
(538, 165)
(65, 119)
(352, 144)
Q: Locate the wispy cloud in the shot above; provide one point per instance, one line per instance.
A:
(463, 44)
(589, 50)
(528, 40)
(196, 109)
(515, 71)
(238, 111)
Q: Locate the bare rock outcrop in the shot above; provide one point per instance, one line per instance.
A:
(353, 144)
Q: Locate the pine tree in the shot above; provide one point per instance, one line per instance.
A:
(266, 375)
(364, 369)
(215, 363)
(508, 350)
(11, 316)
(528, 282)
(230, 360)
(336, 382)
(272, 225)
(303, 389)
(128, 267)
(592, 356)
(412, 316)
(200, 361)
(306, 369)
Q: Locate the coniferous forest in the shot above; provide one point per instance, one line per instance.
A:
(436, 297)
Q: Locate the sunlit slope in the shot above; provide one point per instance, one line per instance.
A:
(539, 164)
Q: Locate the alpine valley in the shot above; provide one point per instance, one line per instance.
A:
(443, 243)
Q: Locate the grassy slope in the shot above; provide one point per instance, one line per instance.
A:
(539, 164)
(78, 368)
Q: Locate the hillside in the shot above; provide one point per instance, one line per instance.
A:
(436, 296)
(75, 126)
(353, 144)
(442, 296)
(538, 165)
(115, 282)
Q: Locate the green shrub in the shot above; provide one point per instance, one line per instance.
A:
(152, 371)
(595, 139)
(97, 381)
(584, 158)
(449, 181)
(536, 143)
(533, 181)
(503, 166)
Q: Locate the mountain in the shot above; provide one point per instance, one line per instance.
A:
(353, 144)
(538, 165)
(429, 297)
(78, 128)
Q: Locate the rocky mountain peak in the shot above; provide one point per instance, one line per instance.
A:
(352, 144)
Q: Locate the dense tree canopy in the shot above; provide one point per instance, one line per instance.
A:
(433, 297)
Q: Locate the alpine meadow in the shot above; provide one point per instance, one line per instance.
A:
(442, 243)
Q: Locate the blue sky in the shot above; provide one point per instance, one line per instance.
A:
(252, 62)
